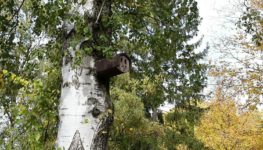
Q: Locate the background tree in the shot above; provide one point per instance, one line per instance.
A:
(30, 110)
(159, 41)
(242, 72)
(180, 124)
(223, 126)
(166, 65)
(131, 129)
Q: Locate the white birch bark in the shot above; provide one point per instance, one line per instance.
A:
(84, 103)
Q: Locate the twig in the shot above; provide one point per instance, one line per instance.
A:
(100, 11)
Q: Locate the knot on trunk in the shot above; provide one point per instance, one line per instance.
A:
(95, 112)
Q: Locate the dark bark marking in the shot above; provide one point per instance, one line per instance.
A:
(86, 83)
(95, 112)
(90, 71)
(99, 95)
(66, 84)
(92, 100)
(76, 143)
(79, 71)
(68, 58)
(76, 83)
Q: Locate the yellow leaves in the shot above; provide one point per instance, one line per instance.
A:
(5, 72)
(254, 76)
(258, 4)
(110, 111)
(222, 72)
(182, 147)
(13, 78)
(37, 136)
(148, 86)
(169, 127)
(18, 80)
(223, 127)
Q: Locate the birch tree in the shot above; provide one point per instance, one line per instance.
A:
(35, 37)
(85, 106)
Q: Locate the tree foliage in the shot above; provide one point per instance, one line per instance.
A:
(131, 129)
(179, 128)
(223, 126)
(242, 73)
(30, 73)
(157, 34)
(166, 65)
(252, 22)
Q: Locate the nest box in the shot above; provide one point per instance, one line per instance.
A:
(119, 64)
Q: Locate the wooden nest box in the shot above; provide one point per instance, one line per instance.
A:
(119, 64)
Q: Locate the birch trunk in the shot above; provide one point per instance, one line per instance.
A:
(85, 103)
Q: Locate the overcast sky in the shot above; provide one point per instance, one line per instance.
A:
(218, 21)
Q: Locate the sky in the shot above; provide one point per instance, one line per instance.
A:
(219, 19)
(215, 14)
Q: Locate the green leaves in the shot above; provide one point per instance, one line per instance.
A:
(131, 130)
(31, 76)
(154, 33)
(29, 116)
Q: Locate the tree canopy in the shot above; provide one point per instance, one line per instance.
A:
(161, 38)
(156, 34)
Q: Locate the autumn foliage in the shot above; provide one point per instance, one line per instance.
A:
(224, 127)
